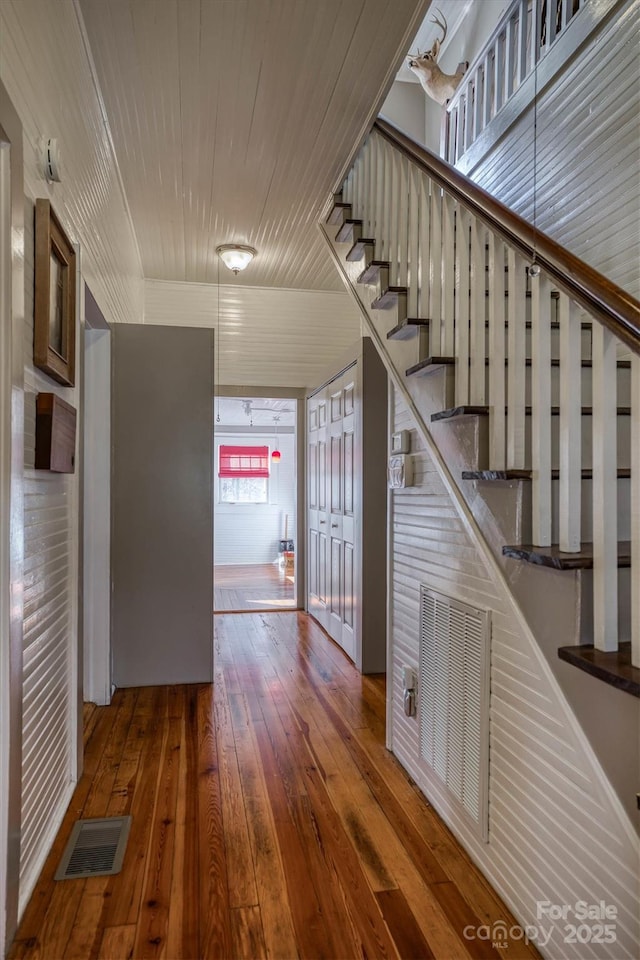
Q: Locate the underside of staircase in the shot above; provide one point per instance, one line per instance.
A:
(528, 395)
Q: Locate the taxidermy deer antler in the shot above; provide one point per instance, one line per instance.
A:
(440, 86)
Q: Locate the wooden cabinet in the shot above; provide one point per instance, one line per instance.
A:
(346, 508)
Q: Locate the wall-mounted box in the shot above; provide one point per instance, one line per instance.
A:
(55, 434)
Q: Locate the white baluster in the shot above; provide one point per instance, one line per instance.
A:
(570, 499)
(499, 64)
(523, 16)
(435, 273)
(386, 156)
(567, 11)
(605, 500)
(346, 187)
(510, 55)
(462, 306)
(403, 225)
(366, 213)
(480, 82)
(516, 370)
(635, 512)
(460, 112)
(488, 89)
(424, 250)
(497, 392)
(379, 188)
(534, 33)
(355, 188)
(394, 228)
(541, 410)
(414, 240)
(478, 311)
(448, 274)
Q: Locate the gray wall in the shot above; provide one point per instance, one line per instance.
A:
(162, 535)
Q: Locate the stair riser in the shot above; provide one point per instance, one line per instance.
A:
(586, 524)
(434, 349)
(623, 391)
(623, 430)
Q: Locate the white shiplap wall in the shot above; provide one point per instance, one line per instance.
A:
(271, 337)
(45, 67)
(555, 830)
(588, 174)
(50, 623)
(249, 533)
(46, 70)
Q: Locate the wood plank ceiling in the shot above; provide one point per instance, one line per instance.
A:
(232, 121)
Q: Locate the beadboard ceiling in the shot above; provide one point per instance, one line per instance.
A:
(232, 121)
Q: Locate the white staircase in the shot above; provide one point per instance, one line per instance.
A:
(527, 379)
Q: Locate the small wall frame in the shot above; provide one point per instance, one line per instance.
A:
(55, 434)
(54, 330)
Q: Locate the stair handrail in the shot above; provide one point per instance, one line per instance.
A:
(608, 303)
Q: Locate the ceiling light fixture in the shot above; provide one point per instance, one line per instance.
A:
(236, 256)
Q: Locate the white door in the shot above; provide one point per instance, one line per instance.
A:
(333, 504)
(317, 506)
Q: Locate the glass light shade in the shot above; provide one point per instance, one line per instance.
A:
(276, 456)
(235, 256)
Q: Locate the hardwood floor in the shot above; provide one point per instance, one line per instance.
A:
(258, 586)
(269, 820)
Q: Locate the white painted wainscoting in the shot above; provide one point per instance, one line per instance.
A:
(49, 708)
(556, 830)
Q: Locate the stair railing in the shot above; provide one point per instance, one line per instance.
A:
(463, 258)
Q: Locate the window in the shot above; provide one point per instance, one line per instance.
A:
(242, 490)
(243, 473)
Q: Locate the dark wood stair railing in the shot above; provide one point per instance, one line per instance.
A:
(608, 303)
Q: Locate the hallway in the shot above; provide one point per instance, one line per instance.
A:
(268, 820)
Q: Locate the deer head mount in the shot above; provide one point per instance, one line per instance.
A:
(438, 85)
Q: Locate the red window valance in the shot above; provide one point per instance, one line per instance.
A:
(243, 461)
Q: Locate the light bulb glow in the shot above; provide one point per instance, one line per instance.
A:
(276, 456)
(235, 256)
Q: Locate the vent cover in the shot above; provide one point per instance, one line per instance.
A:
(454, 701)
(95, 848)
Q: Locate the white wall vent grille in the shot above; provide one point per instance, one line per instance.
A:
(454, 700)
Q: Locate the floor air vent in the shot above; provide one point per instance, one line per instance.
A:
(95, 848)
(454, 701)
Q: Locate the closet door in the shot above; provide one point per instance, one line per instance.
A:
(335, 569)
(334, 499)
(317, 506)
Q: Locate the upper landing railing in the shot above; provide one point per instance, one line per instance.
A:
(525, 34)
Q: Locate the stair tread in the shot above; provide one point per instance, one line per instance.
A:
(406, 328)
(622, 474)
(434, 362)
(553, 557)
(613, 667)
(466, 410)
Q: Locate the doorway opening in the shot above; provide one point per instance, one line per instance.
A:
(255, 503)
